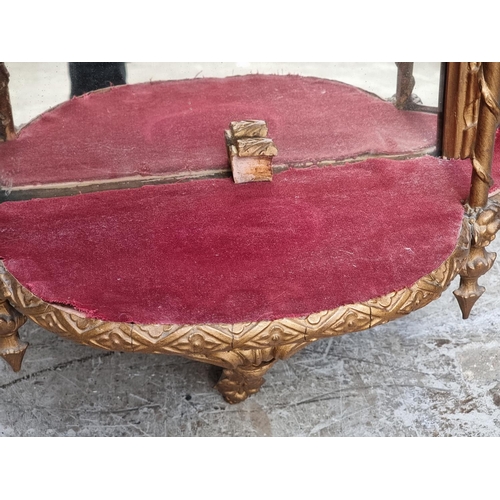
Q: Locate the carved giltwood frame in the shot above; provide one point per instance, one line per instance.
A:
(246, 351)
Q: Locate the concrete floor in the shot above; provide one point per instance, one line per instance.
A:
(428, 374)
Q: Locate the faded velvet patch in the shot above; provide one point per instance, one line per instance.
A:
(176, 126)
(212, 251)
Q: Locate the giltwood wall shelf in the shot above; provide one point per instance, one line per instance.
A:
(246, 350)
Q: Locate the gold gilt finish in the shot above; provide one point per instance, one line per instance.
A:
(250, 152)
(461, 109)
(7, 131)
(244, 350)
(248, 128)
(12, 349)
(489, 113)
(487, 223)
(479, 260)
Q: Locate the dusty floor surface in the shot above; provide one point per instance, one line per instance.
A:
(428, 374)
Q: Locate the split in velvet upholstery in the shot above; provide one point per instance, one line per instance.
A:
(157, 131)
(234, 275)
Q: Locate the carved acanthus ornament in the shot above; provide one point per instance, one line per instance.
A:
(484, 228)
(245, 350)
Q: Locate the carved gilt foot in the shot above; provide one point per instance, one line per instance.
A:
(239, 383)
(479, 260)
(244, 370)
(12, 349)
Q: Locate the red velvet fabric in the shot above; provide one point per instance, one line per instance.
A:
(212, 251)
(165, 127)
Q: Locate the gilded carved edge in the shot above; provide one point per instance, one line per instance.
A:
(461, 109)
(240, 344)
(489, 114)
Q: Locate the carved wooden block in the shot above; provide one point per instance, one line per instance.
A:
(250, 151)
(248, 128)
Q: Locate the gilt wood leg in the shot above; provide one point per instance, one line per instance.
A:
(238, 383)
(479, 260)
(12, 349)
(246, 375)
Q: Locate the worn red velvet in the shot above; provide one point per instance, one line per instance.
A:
(165, 127)
(212, 251)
